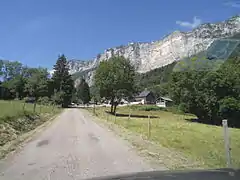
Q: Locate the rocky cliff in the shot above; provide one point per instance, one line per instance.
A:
(173, 47)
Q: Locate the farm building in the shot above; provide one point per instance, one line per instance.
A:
(164, 102)
(146, 97)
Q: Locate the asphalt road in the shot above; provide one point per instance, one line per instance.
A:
(73, 147)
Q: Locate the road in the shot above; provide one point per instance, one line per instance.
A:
(73, 147)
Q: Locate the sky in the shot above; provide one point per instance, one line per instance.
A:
(35, 32)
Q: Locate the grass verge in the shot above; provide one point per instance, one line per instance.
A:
(17, 123)
(194, 145)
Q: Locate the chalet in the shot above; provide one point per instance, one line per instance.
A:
(164, 102)
(146, 97)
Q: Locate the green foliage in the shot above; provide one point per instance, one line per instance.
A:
(115, 79)
(210, 95)
(37, 82)
(44, 100)
(150, 108)
(62, 82)
(95, 94)
(154, 78)
(83, 92)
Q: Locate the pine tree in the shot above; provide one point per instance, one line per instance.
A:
(83, 92)
(62, 80)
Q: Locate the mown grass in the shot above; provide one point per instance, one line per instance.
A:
(201, 143)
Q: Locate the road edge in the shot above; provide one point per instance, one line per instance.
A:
(16, 145)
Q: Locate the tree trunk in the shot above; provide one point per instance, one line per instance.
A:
(111, 108)
(112, 104)
(115, 107)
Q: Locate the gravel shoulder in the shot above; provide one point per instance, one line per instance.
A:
(73, 147)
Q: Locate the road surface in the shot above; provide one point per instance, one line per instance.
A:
(73, 147)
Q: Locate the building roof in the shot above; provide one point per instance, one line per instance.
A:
(165, 98)
(144, 93)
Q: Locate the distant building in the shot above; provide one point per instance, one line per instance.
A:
(164, 102)
(146, 97)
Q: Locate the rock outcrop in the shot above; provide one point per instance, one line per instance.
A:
(173, 47)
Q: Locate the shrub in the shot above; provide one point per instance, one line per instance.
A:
(150, 108)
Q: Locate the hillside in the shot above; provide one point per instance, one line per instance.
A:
(148, 56)
(157, 79)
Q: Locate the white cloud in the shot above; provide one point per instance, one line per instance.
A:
(196, 22)
(235, 4)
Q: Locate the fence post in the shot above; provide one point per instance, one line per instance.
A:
(40, 108)
(226, 142)
(94, 108)
(129, 116)
(115, 120)
(149, 127)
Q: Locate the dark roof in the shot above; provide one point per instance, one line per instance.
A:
(144, 94)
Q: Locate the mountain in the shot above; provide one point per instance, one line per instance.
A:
(152, 55)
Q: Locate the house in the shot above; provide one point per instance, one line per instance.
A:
(146, 97)
(164, 102)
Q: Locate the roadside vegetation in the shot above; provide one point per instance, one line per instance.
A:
(201, 144)
(18, 118)
(29, 97)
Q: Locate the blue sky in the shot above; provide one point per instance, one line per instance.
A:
(34, 32)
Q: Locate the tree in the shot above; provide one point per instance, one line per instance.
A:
(115, 80)
(210, 95)
(14, 80)
(83, 92)
(95, 94)
(37, 83)
(62, 81)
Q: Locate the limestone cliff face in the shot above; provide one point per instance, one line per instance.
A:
(173, 47)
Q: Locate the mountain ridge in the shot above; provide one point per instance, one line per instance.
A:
(146, 56)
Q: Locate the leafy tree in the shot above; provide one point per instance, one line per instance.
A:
(210, 95)
(37, 83)
(94, 93)
(62, 81)
(115, 80)
(83, 92)
(14, 80)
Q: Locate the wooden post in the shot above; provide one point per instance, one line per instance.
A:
(34, 106)
(94, 108)
(149, 127)
(227, 143)
(129, 116)
(53, 108)
(24, 105)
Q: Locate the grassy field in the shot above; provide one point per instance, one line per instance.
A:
(201, 143)
(12, 108)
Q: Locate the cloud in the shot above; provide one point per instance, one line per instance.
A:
(234, 4)
(196, 22)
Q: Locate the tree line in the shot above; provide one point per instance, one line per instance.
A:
(21, 82)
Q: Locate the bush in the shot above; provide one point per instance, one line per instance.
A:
(150, 108)
(44, 100)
